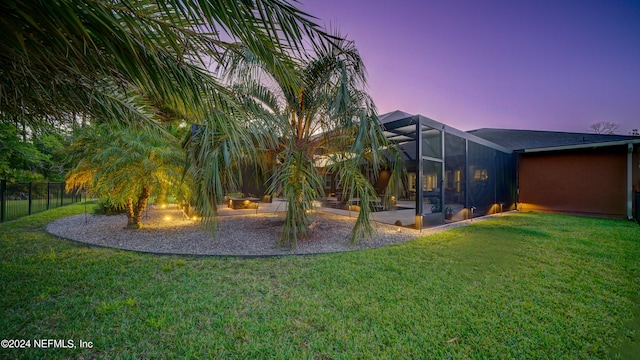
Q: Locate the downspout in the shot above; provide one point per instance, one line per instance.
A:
(630, 181)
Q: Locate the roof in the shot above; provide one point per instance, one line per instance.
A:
(401, 127)
(393, 116)
(531, 140)
(507, 140)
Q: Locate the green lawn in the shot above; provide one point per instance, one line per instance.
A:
(522, 286)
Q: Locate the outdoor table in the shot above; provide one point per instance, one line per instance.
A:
(244, 203)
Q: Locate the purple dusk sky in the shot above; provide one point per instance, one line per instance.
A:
(536, 64)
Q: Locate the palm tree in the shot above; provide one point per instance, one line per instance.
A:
(125, 165)
(330, 115)
(100, 58)
(217, 148)
(107, 60)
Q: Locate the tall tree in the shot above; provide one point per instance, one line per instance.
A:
(604, 127)
(34, 155)
(330, 116)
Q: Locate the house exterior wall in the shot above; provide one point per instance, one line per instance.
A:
(588, 182)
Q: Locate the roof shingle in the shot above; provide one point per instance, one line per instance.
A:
(518, 140)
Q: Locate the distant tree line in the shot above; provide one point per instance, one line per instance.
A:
(32, 153)
(609, 128)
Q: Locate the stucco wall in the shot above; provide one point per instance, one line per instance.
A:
(590, 182)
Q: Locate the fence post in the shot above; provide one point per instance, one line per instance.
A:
(48, 195)
(30, 195)
(3, 199)
(62, 194)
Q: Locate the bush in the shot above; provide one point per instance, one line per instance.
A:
(108, 207)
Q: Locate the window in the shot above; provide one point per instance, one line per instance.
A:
(480, 174)
(327, 181)
(412, 181)
(430, 182)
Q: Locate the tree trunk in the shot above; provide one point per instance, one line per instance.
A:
(162, 194)
(128, 206)
(134, 211)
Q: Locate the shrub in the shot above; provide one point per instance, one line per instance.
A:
(108, 207)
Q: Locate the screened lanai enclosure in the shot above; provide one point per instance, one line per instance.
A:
(451, 175)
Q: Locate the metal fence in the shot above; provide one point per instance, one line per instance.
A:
(22, 199)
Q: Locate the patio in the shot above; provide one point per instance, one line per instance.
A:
(406, 216)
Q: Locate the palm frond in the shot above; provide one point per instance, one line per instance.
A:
(355, 184)
(55, 53)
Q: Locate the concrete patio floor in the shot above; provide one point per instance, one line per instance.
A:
(406, 216)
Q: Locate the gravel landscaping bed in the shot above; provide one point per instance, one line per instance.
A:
(167, 231)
